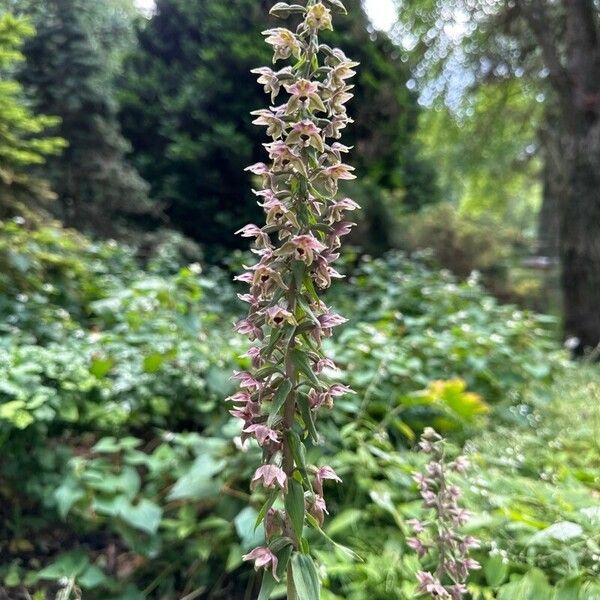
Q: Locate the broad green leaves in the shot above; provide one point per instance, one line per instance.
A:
(306, 578)
(294, 506)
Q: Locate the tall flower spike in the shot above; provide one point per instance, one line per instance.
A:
(286, 390)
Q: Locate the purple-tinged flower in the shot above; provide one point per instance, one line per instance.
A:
(269, 477)
(284, 159)
(342, 71)
(274, 522)
(326, 473)
(338, 99)
(247, 380)
(262, 239)
(318, 399)
(263, 558)
(246, 327)
(269, 79)
(442, 531)
(429, 584)
(317, 508)
(340, 171)
(284, 42)
(336, 211)
(418, 546)
(304, 96)
(306, 133)
(278, 316)
(265, 279)
(275, 125)
(337, 123)
(302, 247)
(255, 356)
(239, 397)
(263, 434)
(325, 363)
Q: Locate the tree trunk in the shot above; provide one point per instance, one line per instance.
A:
(553, 189)
(580, 236)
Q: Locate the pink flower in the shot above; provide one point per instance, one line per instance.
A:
(284, 42)
(416, 525)
(326, 472)
(284, 158)
(269, 476)
(305, 95)
(262, 433)
(258, 169)
(275, 126)
(335, 126)
(428, 584)
(265, 279)
(322, 474)
(342, 71)
(247, 380)
(336, 210)
(318, 509)
(254, 353)
(306, 133)
(269, 80)
(246, 413)
(330, 320)
(263, 557)
(340, 171)
(278, 316)
(302, 247)
(325, 363)
(262, 239)
(417, 545)
(246, 327)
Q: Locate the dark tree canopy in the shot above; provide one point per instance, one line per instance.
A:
(189, 91)
(65, 75)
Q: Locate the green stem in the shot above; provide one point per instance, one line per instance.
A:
(291, 588)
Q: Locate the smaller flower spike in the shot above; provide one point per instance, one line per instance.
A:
(441, 532)
(284, 392)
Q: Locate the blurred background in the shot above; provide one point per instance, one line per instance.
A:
(472, 282)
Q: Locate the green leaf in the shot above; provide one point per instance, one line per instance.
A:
(145, 516)
(294, 506)
(92, 577)
(198, 482)
(495, 570)
(569, 589)
(267, 586)
(343, 549)
(69, 565)
(100, 367)
(307, 417)
(298, 452)
(338, 4)
(153, 362)
(284, 10)
(279, 399)
(244, 526)
(265, 507)
(67, 495)
(306, 579)
(301, 362)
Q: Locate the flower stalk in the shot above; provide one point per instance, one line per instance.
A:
(289, 385)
